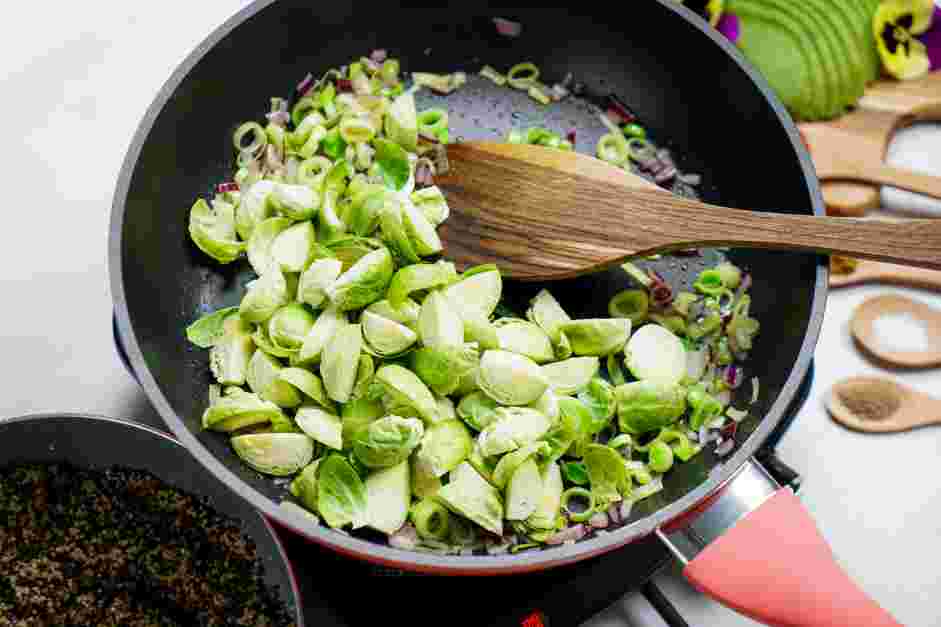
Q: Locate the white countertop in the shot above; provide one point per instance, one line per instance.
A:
(76, 79)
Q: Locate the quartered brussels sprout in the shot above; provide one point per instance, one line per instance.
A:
(314, 281)
(485, 466)
(572, 375)
(470, 496)
(546, 516)
(293, 249)
(598, 337)
(545, 311)
(441, 368)
(425, 484)
(704, 406)
(298, 202)
(364, 283)
(288, 327)
(308, 383)
(446, 409)
(477, 410)
(393, 230)
(598, 397)
(511, 379)
(325, 327)
(230, 356)
(439, 323)
(278, 454)
(210, 328)
(444, 447)
(350, 249)
(359, 413)
(365, 205)
(253, 208)
(320, 425)
(512, 428)
(407, 313)
(340, 362)
(401, 122)
(577, 417)
(431, 202)
(511, 461)
(334, 184)
(263, 379)
(524, 491)
(304, 485)
(480, 330)
(645, 406)
(388, 494)
(548, 405)
(476, 296)
(388, 441)
(384, 337)
(239, 409)
(419, 276)
(406, 388)
(606, 473)
(524, 338)
(259, 246)
(365, 373)
(653, 352)
(265, 296)
(421, 232)
(263, 342)
(212, 229)
(341, 494)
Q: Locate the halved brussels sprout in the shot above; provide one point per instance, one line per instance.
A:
(606, 472)
(444, 447)
(388, 493)
(546, 311)
(512, 428)
(419, 276)
(577, 417)
(253, 208)
(259, 246)
(298, 202)
(288, 327)
(597, 337)
(212, 229)
(293, 248)
(480, 330)
(314, 281)
(477, 410)
(321, 426)
(341, 494)
(278, 454)
(653, 352)
(572, 375)
(304, 485)
(406, 388)
(446, 409)
(548, 404)
(432, 203)
(340, 362)
(334, 185)
(364, 283)
(546, 516)
(325, 327)
(524, 338)
(239, 409)
(388, 441)
(598, 397)
(394, 233)
(265, 296)
(477, 295)
(442, 367)
(511, 461)
(401, 122)
(365, 373)
(439, 323)
(645, 406)
(359, 413)
(351, 248)
(210, 328)
(308, 383)
(407, 314)
(264, 343)
(420, 231)
(470, 496)
(229, 358)
(524, 491)
(263, 379)
(511, 379)
(425, 484)
(385, 337)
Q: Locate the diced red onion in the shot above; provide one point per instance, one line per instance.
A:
(743, 286)
(725, 448)
(724, 397)
(508, 28)
(625, 511)
(573, 534)
(661, 294)
(614, 513)
(623, 112)
(599, 521)
(280, 118)
(379, 55)
(424, 176)
(733, 376)
(665, 175)
(570, 135)
(665, 157)
(373, 66)
(344, 85)
(304, 86)
(405, 538)
(230, 186)
(729, 429)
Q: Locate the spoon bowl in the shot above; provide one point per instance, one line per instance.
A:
(880, 320)
(878, 405)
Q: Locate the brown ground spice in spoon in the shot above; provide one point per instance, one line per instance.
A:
(870, 401)
(120, 547)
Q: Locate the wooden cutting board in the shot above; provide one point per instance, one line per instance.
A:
(865, 133)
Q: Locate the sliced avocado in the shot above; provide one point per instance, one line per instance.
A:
(524, 492)
(832, 19)
(861, 13)
(388, 493)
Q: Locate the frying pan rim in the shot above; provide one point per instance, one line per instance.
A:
(280, 552)
(426, 562)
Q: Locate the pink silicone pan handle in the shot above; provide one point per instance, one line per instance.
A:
(775, 567)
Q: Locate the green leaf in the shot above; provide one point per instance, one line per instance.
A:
(393, 163)
(209, 329)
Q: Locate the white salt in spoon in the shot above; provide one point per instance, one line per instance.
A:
(899, 331)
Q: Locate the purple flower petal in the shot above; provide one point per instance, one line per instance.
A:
(932, 39)
(730, 26)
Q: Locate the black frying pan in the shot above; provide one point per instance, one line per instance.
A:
(688, 85)
(98, 443)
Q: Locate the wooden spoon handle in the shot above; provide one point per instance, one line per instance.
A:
(903, 179)
(908, 276)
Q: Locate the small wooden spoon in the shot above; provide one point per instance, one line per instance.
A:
(881, 406)
(879, 272)
(542, 214)
(864, 327)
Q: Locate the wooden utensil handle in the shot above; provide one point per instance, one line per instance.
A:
(903, 179)
(913, 277)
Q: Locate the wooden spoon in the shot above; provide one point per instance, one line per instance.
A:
(924, 321)
(542, 214)
(881, 406)
(878, 272)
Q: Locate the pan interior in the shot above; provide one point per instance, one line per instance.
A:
(685, 90)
